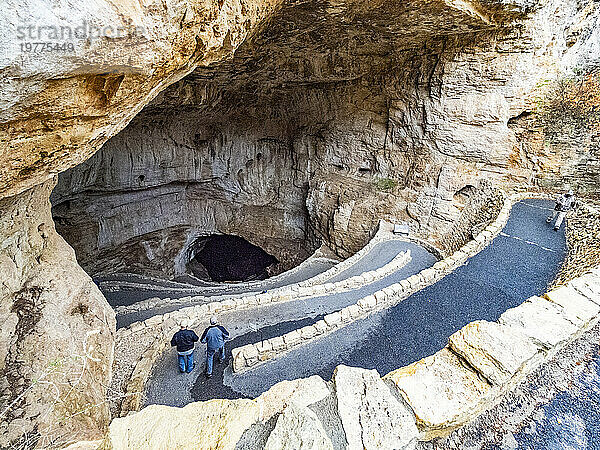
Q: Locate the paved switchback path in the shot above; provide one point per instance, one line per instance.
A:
(167, 387)
(519, 263)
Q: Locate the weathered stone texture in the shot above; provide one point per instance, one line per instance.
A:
(317, 139)
(216, 424)
(302, 392)
(56, 331)
(298, 428)
(57, 110)
(442, 391)
(495, 351)
(371, 416)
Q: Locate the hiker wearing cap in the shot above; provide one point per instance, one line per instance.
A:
(565, 203)
(184, 341)
(214, 337)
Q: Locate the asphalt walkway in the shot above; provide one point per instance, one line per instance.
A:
(520, 262)
(254, 325)
(381, 254)
(147, 288)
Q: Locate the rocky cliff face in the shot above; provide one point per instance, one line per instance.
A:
(57, 107)
(334, 115)
(57, 332)
(326, 121)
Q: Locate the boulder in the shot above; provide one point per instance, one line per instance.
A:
(541, 320)
(578, 308)
(497, 351)
(302, 392)
(371, 416)
(215, 424)
(589, 286)
(298, 428)
(443, 392)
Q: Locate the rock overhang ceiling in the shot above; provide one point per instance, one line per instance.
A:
(323, 44)
(58, 110)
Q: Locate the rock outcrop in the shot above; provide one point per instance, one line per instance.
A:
(217, 424)
(57, 110)
(56, 332)
(371, 416)
(333, 115)
(301, 141)
(298, 428)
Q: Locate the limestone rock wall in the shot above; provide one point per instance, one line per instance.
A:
(403, 129)
(56, 332)
(57, 108)
(141, 201)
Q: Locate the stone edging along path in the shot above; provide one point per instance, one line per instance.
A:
(298, 289)
(252, 354)
(439, 393)
(163, 326)
(166, 324)
(181, 286)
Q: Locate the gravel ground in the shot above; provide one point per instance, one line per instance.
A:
(556, 407)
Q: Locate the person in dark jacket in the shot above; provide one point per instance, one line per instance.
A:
(184, 341)
(214, 337)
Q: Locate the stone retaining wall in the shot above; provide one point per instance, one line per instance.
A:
(252, 354)
(427, 399)
(255, 284)
(383, 234)
(163, 326)
(583, 243)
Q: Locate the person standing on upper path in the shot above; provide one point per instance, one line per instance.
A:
(184, 340)
(214, 337)
(564, 204)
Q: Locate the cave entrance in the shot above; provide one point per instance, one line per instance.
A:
(223, 257)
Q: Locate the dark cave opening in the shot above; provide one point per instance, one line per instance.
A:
(223, 257)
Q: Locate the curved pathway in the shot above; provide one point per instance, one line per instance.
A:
(254, 325)
(519, 263)
(142, 288)
(381, 254)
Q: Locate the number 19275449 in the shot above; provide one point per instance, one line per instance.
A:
(43, 47)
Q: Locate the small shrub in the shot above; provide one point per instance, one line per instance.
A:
(385, 184)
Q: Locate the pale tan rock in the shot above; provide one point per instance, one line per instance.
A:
(541, 320)
(442, 391)
(497, 352)
(215, 424)
(589, 286)
(303, 392)
(298, 428)
(576, 307)
(57, 331)
(371, 416)
(76, 85)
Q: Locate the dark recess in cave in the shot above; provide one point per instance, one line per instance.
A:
(224, 257)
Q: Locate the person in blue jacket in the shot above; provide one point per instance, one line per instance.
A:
(184, 340)
(214, 337)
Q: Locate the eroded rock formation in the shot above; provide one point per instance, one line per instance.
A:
(56, 332)
(328, 120)
(336, 114)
